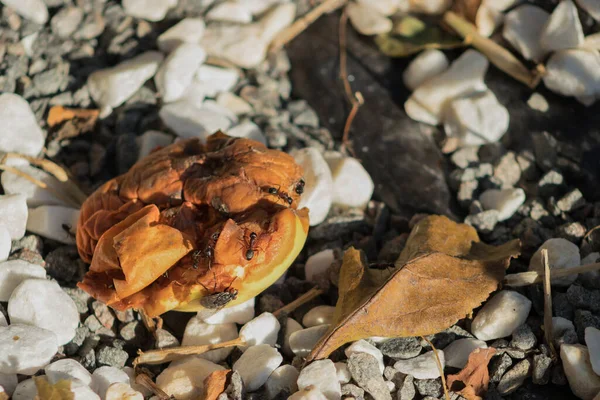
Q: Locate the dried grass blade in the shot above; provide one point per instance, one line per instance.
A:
(532, 277)
(161, 356)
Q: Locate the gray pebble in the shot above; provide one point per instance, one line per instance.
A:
(484, 222)
(81, 333)
(354, 391)
(87, 352)
(165, 339)
(571, 201)
(540, 373)
(66, 21)
(92, 323)
(466, 193)
(551, 183)
(583, 298)
(52, 80)
(111, 356)
(407, 391)
(507, 170)
(134, 333)
(562, 307)
(64, 264)
(544, 145)
(429, 387)
(366, 373)
(80, 298)
(582, 320)
(523, 338)
(401, 348)
(465, 156)
(572, 231)
(498, 366)
(558, 375)
(514, 378)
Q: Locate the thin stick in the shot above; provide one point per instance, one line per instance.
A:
(531, 277)
(439, 364)
(149, 323)
(149, 384)
(498, 55)
(161, 356)
(288, 34)
(548, 329)
(305, 298)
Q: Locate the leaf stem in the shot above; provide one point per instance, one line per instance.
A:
(532, 277)
(305, 298)
(548, 328)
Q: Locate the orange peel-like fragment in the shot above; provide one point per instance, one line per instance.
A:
(192, 220)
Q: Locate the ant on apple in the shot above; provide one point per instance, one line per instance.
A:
(282, 195)
(300, 186)
(209, 252)
(251, 246)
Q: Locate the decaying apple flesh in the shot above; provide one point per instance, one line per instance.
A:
(191, 221)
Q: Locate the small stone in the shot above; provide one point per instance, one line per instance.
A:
(465, 156)
(18, 119)
(523, 27)
(261, 330)
(352, 184)
(81, 333)
(198, 332)
(580, 297)
(584, 319)
(571, 201)
(465, 76)
(514, 378)
(353, 391)
(66, 21)
(592, 340)
(283, 379)
(103, 377)
(573, 231)
(584, 383)
(111, 357)
(383, 7)
(507, 170)
(426, 65)
(365, 370)
(184, 379)
(34, 10)
(187, 119)
(68, 369)
(49, 222)
(562, 254)
(538, 102)
(343, 373)
(136, 386)
(318, 316)
(291, 326)
(256, 365)
(165, 339)
(457, 353)
(318, 264)
(120, 391)
(573, 72)
(322, 375)
(215, 80)
(239, 314)
(303, 341)
(523, 338)
(401, 348)
(550, 183)
(111, 87)
(362, 346)
(38, 302)
(430, 6)
(505, 201)
(318, 189)
(188, 30)
(230, 11)
(308, 393)
(429, 387)
(485, 221)
(407, 391)
(151, 10)
(150, 141)
(422, 367)
(248, 130)
(501, 315)
(25, 349)
(563, 331)
(177, 71)
(540, 372)
(234, 103)
(25, 390)
(563, 29)
(13, 272)
(367, 20)
(498, 366)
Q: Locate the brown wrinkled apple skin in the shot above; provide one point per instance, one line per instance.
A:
(205, 199)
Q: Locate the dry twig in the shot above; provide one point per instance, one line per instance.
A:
(161, 356)
(439, 364)
(531, 277)
(548, 329)
(305, 298)
(149, 384)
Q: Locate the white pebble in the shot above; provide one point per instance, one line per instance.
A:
(19, 121)
(538, 102)
(25, 390)
(240, 314)
(111, 87)
(362, 346)
(13, 272)
(383, 7)
(505, 201)
(13, 214)
(560, 326)
(151, 10)
(256, 364)
(322, 375)
(465, 76)
(563, 29)
(343, 373)
(584, 383)
(188, 30)
(34, 10)
(501, 315)
(487, 20)
(36, 196)
(246, 45)
(317, 264)
(177, 71)
(422, 367)
(48, 221)
(5, 245)
(592, 7)
(188, 119)
(3, 321)
(9, 383)
(215, 80)
(523, 27)
(122, 391)
(425, 66)
(366, 20)
(592, 340)
(283, 378)
(352, 184)
(562, 254)
(318, 315)
(43, 303)
(318, 190)
(291, 326)
(230, 11)
(81, 392)
(573, 72)
(68, 369)
(248, 130)
(234, 103)
(261, 330)
(303, 341)
(198, 332)
(308, 393)
(136, 386)
(105, 376)
(429, 6)
(457, 353)
(150, 141)
(25, 349)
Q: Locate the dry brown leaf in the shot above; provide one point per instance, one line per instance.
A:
(59, 114)
(443, 273)
(466, 8)
(215, 384)
(474, 377)
(61, 390)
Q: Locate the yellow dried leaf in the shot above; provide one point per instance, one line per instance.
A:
(61, 390)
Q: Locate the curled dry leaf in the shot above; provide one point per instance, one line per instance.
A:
(215, 384)
(193, 226)
(61, 390)
(442, 274)
(473, 380)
